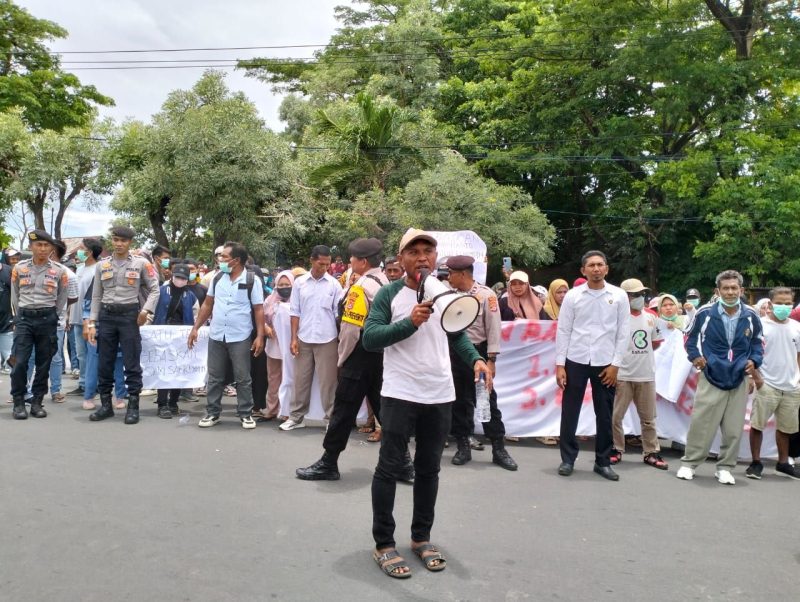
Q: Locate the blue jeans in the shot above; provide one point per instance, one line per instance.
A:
(80, 351)
(72, 351)
(90, 384)
(6, 341)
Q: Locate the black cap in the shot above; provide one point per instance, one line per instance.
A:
(40, 235)
(459, 263)
(365, 247)
(123, 232)
(692, 292)
(181, 270)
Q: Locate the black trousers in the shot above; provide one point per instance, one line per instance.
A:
(117, 328)
(430, 424)
(258, 378)
(360, 376)
(794, 444)
(464, 405)
(571, 403)
(34, 329)
(168, 397)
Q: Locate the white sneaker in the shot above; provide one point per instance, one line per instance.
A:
(248, 422)
(290, 425)
(208, 421)
(147, 392)
(686, 473)
(725, 477)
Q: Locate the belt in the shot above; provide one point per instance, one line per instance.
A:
(35, 313)
(119, 308)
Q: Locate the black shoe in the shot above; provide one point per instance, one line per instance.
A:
(163, 412)
(501, 457)
(464, 453)
(37, 411)
(754, 470)
(106, 409)
(174, 410)
(606, 472)
(76, 392)
(321, 470)
(565, 469)
(786, 470)
(20, 413)
(475, 444)
(132, 415)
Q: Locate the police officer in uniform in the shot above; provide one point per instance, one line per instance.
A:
(360, 371)
(38, 295)
(485, 335)
(125, 293)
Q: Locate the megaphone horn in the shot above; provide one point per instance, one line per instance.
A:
(457, 310)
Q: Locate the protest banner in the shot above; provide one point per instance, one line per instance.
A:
(463, 242)
(168, 363)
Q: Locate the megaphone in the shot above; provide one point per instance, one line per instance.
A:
(457, 310)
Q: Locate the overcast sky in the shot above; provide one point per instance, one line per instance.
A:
(160, 24)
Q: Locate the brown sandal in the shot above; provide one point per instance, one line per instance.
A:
(375, 436)
(433, 555)
(384, 561)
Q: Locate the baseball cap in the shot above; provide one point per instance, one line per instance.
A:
(519, 275)
(633, 285)
(413, 234)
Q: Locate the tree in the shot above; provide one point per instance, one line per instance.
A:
(31, 76)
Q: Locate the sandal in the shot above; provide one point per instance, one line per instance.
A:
(390, 568)
(656, 461)
(547, 440)
(433, 556)
(367, 428)
(375, 436)
(615, 457)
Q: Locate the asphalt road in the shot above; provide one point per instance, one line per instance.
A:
(163, 511)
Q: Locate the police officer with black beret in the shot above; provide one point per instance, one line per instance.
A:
(38, 295)
(125, 293)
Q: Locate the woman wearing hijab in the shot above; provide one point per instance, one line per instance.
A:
(555, 295)
(279, 335)
(668, 311)
(520, 302)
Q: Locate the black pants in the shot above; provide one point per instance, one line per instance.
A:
(258, 379)
(571, 403)
(430, 424)
(168, 397)
(794, 444)
(464, 405)
(34, 329)
(360, 376)
(117, 329)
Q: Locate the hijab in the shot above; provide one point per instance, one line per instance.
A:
(274, 298)
(526, 307)
(550, 306)
(679, 321)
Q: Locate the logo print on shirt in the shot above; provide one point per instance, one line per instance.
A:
(640, 339)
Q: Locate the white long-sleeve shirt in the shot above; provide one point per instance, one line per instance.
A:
(593, 326)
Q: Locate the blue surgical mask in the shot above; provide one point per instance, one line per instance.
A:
(165, 263)
(781, 312)
(224, 267)
(694, 301)
(192, 276)
(81, 255)
(734, 304)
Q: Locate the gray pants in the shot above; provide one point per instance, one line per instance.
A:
(219, 353)
(715, 408)
(323, 359)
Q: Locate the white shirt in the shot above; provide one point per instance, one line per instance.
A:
(593, 326)
(316, 302)
(281, 316)
(417, 368)
(639, 364)
(781, 345)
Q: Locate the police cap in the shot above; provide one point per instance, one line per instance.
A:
(692, 292)
(180, 270)
(40, 235)
(365, 247)
(123, 232)
(459, 263)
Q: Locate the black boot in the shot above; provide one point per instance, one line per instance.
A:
(324, 469)
(106, 409)
(501, 457)
(37, 411)
(164, 411)
(20, 413)
(464, 454)
(174, 410)
(132, 415)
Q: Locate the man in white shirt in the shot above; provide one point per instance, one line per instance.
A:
(778, 383)
(314, 307)
(591, 342)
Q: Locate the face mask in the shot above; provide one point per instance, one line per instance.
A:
(669, 318)
(284, 292)
(224, 267)
(695, 302)
(82, 255)
(179, 282)
(165, 263)
(637, 304)
(192, 276)
(781, 312)
(724, 304)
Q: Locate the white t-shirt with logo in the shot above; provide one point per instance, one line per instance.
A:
(418, 368)
(639, 364)
(782, 343)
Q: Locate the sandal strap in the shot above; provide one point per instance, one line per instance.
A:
(387, 556)
(426, 547)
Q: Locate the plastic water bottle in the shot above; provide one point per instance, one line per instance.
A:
(183, 420)
(482, 411)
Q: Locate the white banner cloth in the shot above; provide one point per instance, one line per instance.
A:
(463, 242)
(168, 363)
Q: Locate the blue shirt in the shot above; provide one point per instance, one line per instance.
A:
(231, 320)
(315, 302)
(729, 321)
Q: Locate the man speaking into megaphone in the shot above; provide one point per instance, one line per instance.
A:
(416, 398)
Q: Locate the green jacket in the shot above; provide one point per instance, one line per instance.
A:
(380, 332)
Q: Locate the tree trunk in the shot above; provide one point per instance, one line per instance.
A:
(157, 219)
(743, 27)
(64, 201)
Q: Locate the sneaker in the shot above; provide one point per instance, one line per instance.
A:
(75, 392)
(686, 473)
(786, 470)
(248, 422)
(725, 477)
(754, 470)
(147, 392)
(207, 421)
(188, 396)
(290, 425)
(791, 460)
(615, 457)
(75, 373)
